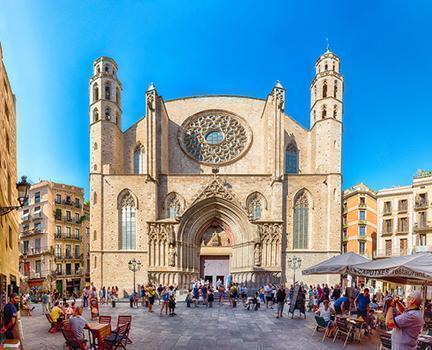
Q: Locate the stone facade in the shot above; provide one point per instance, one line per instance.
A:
(9, 277)
(54, 238)
(359, 220)
(266, 187)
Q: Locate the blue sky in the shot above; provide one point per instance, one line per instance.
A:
(222, 47)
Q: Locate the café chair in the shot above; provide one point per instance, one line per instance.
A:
(118, 338)
(123, 319)
(71, 343)
(55, 326)
(343, 327)
(321, 325)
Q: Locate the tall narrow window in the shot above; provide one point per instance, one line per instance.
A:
(301, 221)
(95, 92)
(324, 112)
(127, 222)
(254, 204)
(95, 115)
(291, 159)
(139, 160)
(108, 91)
(108, 113)
(335, 111)
(335, 89)
(325, 89)
(118, 96)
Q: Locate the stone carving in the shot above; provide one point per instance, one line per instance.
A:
(127, 200)
(268, 243)
(215, 189)
(279, 95)
(215, 237)
(214, 137)
(171, 255)
(257, 253)
(150, 100)
(255, 204)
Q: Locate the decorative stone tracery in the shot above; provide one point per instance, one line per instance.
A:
(162, 244)
(214, 137)
(267, 250)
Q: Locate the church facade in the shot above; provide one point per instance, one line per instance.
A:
(214, 187)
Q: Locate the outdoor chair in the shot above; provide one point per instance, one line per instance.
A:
(123, 319)
(71, 343)
(105, 319)
(385, 342)
(421, 345)
(55, 326)
(343, 327)
(118, 338)
(321, 325)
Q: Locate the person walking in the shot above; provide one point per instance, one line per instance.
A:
(165, 300)
(10, 318)
(45, 302)
(280, 300)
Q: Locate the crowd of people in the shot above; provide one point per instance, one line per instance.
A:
(326, 301)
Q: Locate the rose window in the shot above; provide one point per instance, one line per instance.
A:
(214, 137)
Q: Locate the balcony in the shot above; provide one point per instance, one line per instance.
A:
(362, 222)
(25, 217)
(384, 253)
(68, 257)
(387, 211)
(68, 237)
(35, 251)
(422, 227)
(421, 203)
(37, 215)
(362, 237)
(422, 248)
(402, 231)
(345, 238)
(68, 203)
(387, 232)
(362, 205)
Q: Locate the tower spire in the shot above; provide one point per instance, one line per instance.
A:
(327, 45)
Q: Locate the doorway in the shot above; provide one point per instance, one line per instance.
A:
(214, 268)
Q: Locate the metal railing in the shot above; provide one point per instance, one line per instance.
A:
(67, 236)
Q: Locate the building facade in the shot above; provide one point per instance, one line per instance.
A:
(359, 221)
(54, 238)
(405, 217)
(217, 187)
(9, 252)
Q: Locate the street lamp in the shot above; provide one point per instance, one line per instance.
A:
(294, 263)
(134, 266)
(23, 188)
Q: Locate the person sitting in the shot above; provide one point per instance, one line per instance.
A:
(57, 314)
(325, 311)
(68, 310)
(77, 324)
(342, 305)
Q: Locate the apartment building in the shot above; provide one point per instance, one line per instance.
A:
(359, 220)
(55, 238)
(9, 275)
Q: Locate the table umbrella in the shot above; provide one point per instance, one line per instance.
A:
(336, 265)
(415, 269)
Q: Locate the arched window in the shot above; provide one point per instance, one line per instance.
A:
(335, 111)
(174, 207)
(108, 113)
(324, 112)
(291, 159)
(255, 204)
(326, 66)
(116, 118)
(314, 116)
(325, 89)
(95, 115)
(127, 213)
(335, 89)
(98, 69)
(139, 160)
(315, 91)
(301, 221)
(106, 68)
(95, 92)
(118, 95)
(108, 91)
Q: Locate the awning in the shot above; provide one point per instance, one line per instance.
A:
(335, 265)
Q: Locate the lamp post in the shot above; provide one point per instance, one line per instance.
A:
(23, 188)
(134, 266)
(294, 263)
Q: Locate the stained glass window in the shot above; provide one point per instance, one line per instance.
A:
(301, 222)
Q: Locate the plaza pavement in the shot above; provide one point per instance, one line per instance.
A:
(220, 327)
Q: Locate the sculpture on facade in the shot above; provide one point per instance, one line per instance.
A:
(171, 255)
(257, 253)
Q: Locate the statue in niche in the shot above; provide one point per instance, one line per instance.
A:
(257, 253)
(171, 255)
(214, 236)
(172, 238)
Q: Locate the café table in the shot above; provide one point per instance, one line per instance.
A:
(97, 334)
(424, 341)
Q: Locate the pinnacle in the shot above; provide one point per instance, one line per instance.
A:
(278, 85)
(151, 87)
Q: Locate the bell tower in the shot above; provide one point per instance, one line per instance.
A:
(326, 113)
(326, 89)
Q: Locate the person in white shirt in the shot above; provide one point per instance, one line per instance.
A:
(325, 311)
